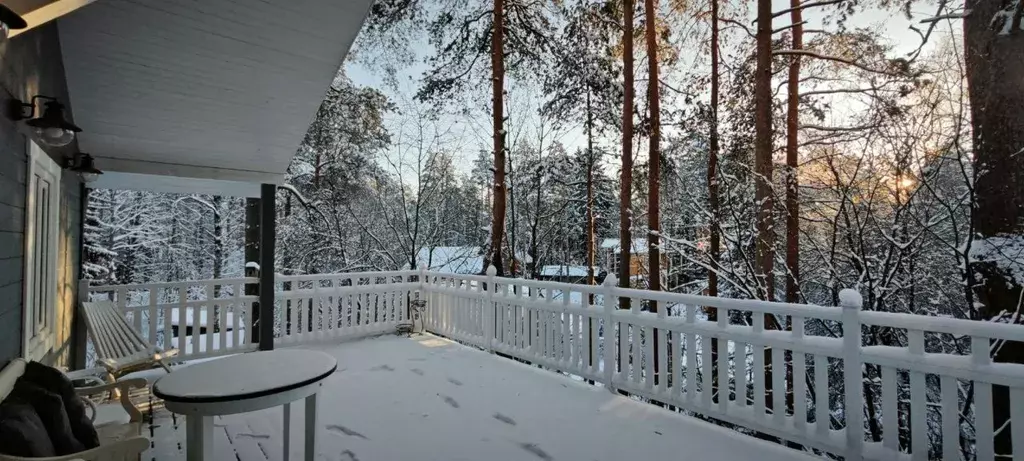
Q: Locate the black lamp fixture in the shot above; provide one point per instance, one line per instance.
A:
(51, 127)
(9, 20)
(84, 165)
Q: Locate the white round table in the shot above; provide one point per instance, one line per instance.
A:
(244, 383)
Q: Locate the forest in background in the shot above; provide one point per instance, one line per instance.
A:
(777, 158)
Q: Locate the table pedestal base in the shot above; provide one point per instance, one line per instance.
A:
(199, 437)
(199, 433)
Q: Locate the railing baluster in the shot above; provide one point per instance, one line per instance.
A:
(649, 360)
(890, 410)
(822, 418)
(779, 384)
(723, 361)
(293, 318)
(636, 348)
(799, 379)
(236, 314)
(183, 327)
(566, 320)
(707, 387)
(691, 355)
(759, 374)
(168, 330)
(663, 360)
(152, 316)
(624, 354)
(950, 406)
(918, 401)
(983, 423)
(678, 350)
(224, 325)
(1017, 416)
(740, 364)
(610, 300)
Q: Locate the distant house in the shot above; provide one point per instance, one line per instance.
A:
(565, 273)
(610, 256)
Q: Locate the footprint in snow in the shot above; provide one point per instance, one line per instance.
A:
(382, 368)
(536, 451)
(417, 371)
(504, 419)
(450, 401)
(455, 381)
(346, 431)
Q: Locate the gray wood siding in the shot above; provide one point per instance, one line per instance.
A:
(32, 64)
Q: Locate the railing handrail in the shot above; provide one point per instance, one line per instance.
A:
(149, 285)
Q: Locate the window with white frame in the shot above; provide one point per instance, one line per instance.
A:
(42, 207)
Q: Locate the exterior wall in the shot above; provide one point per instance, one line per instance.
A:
(31, 64)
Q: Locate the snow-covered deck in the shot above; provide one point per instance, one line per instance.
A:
(427, 398)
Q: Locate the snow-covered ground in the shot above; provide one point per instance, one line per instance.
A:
(426, 398)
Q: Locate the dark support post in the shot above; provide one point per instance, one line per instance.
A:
(252, 255)
(268, 221)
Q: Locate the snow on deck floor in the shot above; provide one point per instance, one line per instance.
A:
(426, 398)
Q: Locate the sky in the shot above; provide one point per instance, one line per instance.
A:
(476, 131)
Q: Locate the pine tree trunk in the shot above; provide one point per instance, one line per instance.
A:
(590, 196)
(713, 201)
(626, 177)
(763, 174)
(654, 160)
(497, 95)
(763, 198)
(792, 182)
(590, 218)
(654, 181)
(513, 262)
(995, 80)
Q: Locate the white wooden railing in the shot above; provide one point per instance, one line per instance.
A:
(210, 317)
(926, 402)
(341, 306)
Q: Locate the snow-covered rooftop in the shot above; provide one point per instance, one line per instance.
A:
(452, 260)
(397, 398)
(639, 245)
(456, 260)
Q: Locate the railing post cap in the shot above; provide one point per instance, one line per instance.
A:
(491, 271)
(610, 280)
(850, 299)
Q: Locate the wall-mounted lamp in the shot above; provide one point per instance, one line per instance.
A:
(9, 20)
(84, 165)
(51, 127)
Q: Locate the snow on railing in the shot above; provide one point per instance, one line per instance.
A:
(756, 358)
(200, 318)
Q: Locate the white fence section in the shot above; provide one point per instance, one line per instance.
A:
(776, 368)
(312, 308)
(201, 318)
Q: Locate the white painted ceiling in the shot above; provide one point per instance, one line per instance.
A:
(211, 89)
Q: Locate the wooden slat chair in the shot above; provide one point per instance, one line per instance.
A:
(119, 348)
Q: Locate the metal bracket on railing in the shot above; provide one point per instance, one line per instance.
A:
(416, 307)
